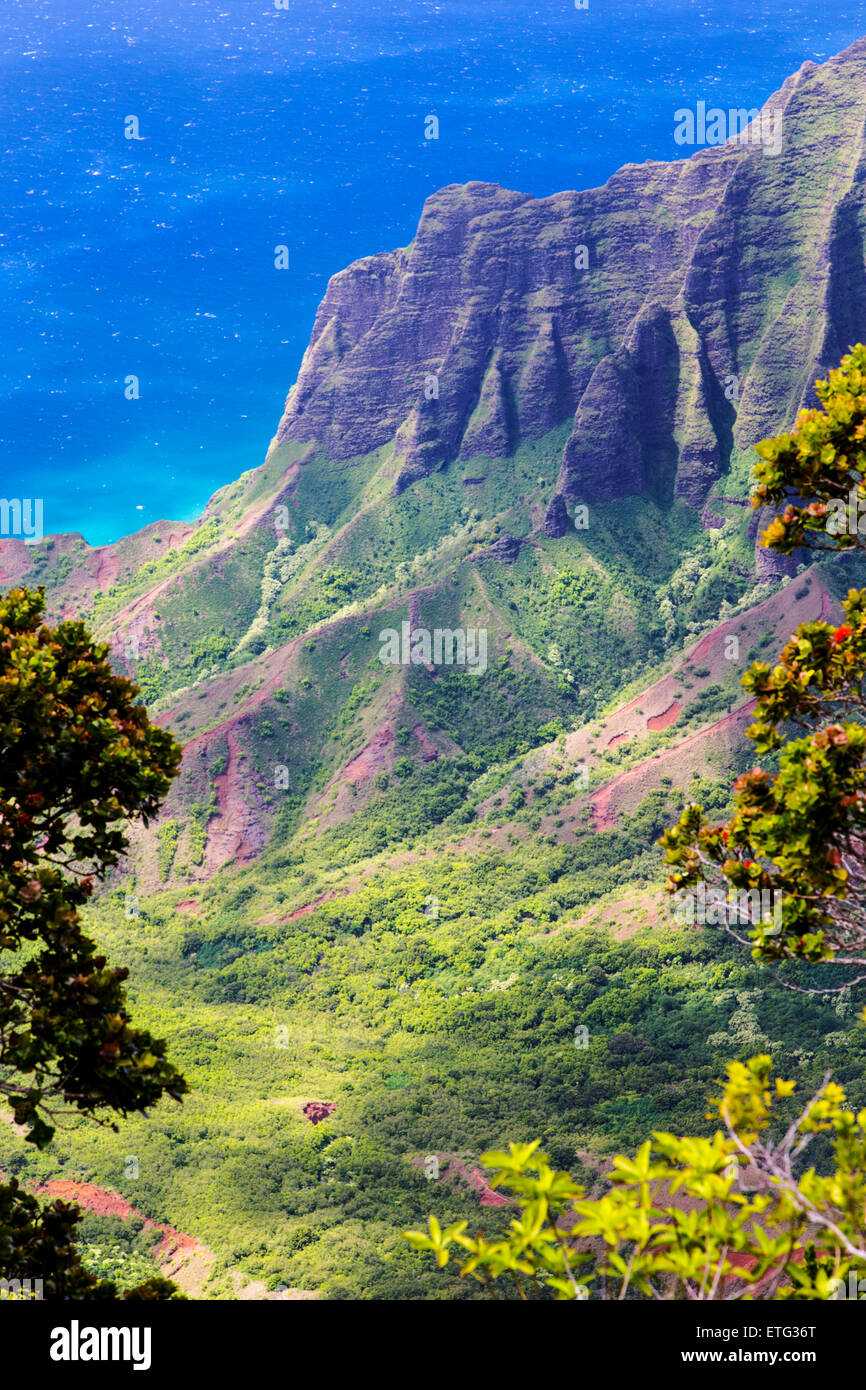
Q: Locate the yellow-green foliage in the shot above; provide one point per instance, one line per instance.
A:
(169, 834)
(797, 833)
(820, 466)
(659, 1246)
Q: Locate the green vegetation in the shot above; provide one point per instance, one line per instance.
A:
(675, 1222)
(796, 835)
(118, 1251)
(423, 919)
(169, 834)
(798, 826)
(80, 760)
(434, 1029)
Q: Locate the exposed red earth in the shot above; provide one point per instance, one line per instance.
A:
(180, 1257)
(98, 1199)
(105, 1203)
(781, 611)
(108, 568)
(15, 560)
(235, 834)
(604, 812)
(274, 668)
(310, 907)
(487, 1196)
(242, 821)
(372, 758)
(666, 718)
(318, 1110)
(654, 709)
(455, 1166)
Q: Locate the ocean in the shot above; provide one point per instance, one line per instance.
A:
(149, 339)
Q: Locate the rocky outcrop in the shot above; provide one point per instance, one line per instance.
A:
(506, 549)
(673, 316)
(556, 518)
(623, 438)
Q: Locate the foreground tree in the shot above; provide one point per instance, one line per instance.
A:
(78, 759)
(675, 1223)
(797, 831)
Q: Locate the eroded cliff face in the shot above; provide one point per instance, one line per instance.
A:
(674, 316)
(647, 333)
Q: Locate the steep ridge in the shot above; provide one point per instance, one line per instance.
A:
(616, 350)
(386, 897)
(492, 327)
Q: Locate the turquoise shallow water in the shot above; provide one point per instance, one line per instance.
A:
(154, 257)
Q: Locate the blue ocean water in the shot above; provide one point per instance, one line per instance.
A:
(302, 126)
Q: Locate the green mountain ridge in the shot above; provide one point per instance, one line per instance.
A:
(431, 876)
(333, 541)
